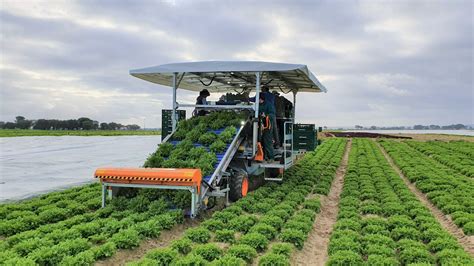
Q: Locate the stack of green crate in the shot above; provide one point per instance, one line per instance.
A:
(167, 123)
(304, 137)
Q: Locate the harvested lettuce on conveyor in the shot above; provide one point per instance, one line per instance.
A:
(196, 142)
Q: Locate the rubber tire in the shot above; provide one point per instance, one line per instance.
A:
(235, 185)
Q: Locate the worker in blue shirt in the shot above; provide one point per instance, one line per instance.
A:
(266, 112)
(270, 102)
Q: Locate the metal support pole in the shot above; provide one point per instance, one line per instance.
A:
(257, 93)
(173, 114)
(104, 191)
(193, 202)
(227, 202)
(293, 125)
(294, 106)
(255, 124)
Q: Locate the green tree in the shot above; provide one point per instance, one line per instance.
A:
(104, 126)
(9, 125)
(85, 123)
(22, 123)
(19, 119)
(133, 127)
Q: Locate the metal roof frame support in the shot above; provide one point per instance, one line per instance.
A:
(175, 105)
(257, 93)
(283, 79)
(241, 78)
(255, 123)
(294, 105)
(214, 78)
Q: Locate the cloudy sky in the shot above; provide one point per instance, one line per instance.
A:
(383, 62)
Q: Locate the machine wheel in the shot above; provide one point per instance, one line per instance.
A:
(239, 185)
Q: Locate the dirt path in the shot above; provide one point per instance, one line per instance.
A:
(315, 248)
(467, 242)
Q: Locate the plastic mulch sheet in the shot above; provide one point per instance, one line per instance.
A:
(31, 166)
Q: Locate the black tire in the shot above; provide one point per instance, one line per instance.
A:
(236, 183)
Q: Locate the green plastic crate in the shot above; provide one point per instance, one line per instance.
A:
(167, 123)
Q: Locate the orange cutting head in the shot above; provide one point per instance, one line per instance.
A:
(151, 176)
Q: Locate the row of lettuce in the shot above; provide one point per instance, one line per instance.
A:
(450, 154)
(380, 222)
(446, 188)
(50, 208)
(463, 147)
(82, 237)
(266, 226)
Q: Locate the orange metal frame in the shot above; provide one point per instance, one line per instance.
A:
(259, 155)
(151, 176)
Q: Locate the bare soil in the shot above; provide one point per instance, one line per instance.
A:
(467, 242)
(314, 251)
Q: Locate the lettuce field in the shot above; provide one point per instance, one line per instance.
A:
(350, 202)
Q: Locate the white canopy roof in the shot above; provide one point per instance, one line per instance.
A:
(230, 76)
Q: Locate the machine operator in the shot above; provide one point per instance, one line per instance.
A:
(201, 100)
(270, 101)
(267, 114)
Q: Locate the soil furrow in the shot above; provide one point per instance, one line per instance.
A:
(315, 248)
(467, 242)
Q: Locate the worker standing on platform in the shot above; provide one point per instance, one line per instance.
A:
(270, 101)
(266, 113)
(201, 100)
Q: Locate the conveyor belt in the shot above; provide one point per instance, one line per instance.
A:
(219, 156)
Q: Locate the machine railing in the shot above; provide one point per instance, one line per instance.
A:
(288, 141)
(224, 163)
(168, 137)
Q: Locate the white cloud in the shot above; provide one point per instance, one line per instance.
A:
(384, 63)
(391, 84)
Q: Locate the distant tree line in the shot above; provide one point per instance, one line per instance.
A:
(82, 123)
(453, 126)
(418, 127)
